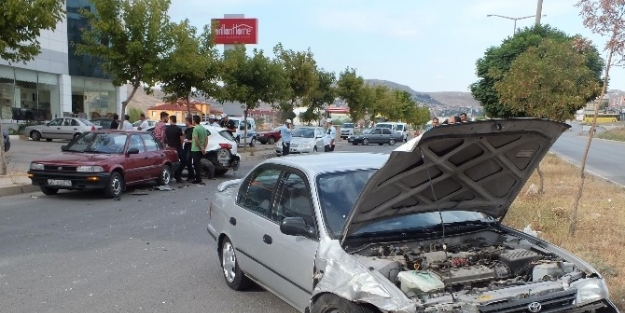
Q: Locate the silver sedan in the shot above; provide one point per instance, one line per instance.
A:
(416, 231)
(60, 128)
(306, 139)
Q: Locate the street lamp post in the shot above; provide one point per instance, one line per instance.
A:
(512, 18)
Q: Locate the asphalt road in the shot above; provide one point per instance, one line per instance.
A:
(78, 252)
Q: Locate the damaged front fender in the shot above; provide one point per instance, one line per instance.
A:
(337, 272)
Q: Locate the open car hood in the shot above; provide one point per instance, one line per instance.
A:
(477, 166)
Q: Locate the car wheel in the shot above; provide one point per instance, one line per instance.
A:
(207, 167)
(165, 177)
(115, 186)
(365, 142)
(48, 191)
(233, 275)
(220, 172)
(35, 135)
(391, 142)
(329, 303)
(271, 140)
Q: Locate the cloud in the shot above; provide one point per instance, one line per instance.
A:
(399, 25)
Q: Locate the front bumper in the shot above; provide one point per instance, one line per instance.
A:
(79, 181)
(296, 150)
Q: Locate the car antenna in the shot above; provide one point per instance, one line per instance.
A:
(440, 212)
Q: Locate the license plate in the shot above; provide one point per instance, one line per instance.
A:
(57, 182)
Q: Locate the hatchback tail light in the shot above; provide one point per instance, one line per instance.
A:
(225, 146)
(92, 128)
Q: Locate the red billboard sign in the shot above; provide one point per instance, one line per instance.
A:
(232, 31)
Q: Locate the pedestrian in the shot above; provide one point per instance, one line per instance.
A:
(188, 161)
(115, 122)
(159, 128)
(224, 120)
(286, 135)
(144, 122)
(463, 118)
(215, 122)
(174, 138)
(435, 122)
(328, 139)
(199, 142)
(127, 125)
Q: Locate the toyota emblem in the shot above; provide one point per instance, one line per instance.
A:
(534, 307)
(60, 168)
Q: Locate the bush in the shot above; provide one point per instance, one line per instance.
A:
(134, 113)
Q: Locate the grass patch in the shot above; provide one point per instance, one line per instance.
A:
(617, 134)
(601, 229)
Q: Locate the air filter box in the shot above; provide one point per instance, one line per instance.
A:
(518, 260)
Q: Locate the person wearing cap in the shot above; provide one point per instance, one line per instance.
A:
(211, 119)
(328, 139)
(224, 120)
(216, 121)
(286, 135)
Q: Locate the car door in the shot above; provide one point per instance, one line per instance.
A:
(376, 136)
(65, 130)
(319, 139)
(247, 219)
(135, 167)
(291, 257)
(52, 129)
(155, 155)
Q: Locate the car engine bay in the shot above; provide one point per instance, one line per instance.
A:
(468, 267)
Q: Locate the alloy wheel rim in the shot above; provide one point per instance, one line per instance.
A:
(165, 176)
(116, 185)
(228, 262)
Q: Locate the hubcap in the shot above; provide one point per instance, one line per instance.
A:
(116, 185)
(166, 176)
(228, 262)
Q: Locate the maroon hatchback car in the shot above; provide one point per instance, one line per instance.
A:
(108, 160)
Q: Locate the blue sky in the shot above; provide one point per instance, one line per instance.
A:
(429, 45)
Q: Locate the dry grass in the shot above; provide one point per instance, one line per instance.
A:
(613, 134)
(600, 237)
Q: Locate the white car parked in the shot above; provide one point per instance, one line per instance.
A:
(221, 152)
(306, 139)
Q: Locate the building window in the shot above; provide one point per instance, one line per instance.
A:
(37, 94)
(80, 64)
(93, 98)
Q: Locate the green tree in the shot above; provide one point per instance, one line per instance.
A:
(352, 89)
(606, 18)
(251, 80)
(191, 66)
(381, 101)
(498, 60)
(301, 71)
(20, 26)
(134, 114)
(323, 94)
(129, 37)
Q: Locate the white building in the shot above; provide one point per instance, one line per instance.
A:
(58, 82)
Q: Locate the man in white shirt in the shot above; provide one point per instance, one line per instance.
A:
(144, 124)
(328, 139)
(126, 125)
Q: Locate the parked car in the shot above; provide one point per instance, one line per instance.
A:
(358, 139)
(377, 135)
(397, 127)
(151, 123)
(107, 160)
(221, 152)
(102, 121)
(418, 230)
(60, 128)
(269, 137)
(7, 140)
(306, 139)
(347, 129)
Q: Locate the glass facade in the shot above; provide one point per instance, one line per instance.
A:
(80, 64)
(28, 90)
(93, 98)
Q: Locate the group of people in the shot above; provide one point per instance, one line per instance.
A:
(286, 135)
(451, 120)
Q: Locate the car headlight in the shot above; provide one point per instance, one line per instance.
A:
(90, 169)
(590, 290)
(36, 166)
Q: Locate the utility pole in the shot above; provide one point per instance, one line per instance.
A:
(539, 10)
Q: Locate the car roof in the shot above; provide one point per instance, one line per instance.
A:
(314, 164)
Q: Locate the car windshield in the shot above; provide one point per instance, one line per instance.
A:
(338, 192)
(91, 142)
(86, 122)
(380, 125)
(347, 125)
(304, 132)
(367, 131)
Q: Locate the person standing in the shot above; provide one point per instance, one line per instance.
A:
(159, 128)
(199, 141)
(287, 136)
(174, 138)
(328, 139)
(215, 122)
(463, 118)
(144, 123)
(126, 125)
(188, 161)
(115, 122)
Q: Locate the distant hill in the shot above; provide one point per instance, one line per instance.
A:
(143, 101)
(455, 98)
(420, 97)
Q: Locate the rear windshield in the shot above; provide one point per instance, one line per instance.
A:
(226, 134)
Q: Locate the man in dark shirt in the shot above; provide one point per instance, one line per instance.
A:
(188, 135)
(115, 122)
(174, 138)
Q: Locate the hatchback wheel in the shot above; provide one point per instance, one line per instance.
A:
(365, 142)
(115, 186)
(391, 142)
(235, 278)
(165, 177)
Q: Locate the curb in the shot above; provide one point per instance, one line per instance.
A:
(596, 175)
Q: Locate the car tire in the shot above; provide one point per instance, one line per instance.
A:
(48, 191)
(36, 136)
(205, 166)
(365, 142)
(220, 173)
(165, 177)
(391, 142)
(115, 186)
(233, 275)
(271, 140)
(328, 302)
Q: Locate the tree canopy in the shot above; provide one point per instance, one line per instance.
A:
(21, 24)
(498, 60)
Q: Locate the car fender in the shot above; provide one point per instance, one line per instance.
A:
(338, 273)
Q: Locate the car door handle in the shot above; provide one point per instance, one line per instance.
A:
(59, 128)
(267, 239)
(233, 221)
(75, 128)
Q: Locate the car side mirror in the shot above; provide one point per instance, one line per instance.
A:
(133, 151)
(295, 226)
(64, 148)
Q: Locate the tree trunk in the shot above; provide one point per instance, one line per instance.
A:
(541, 180)
(3, 161)
(125, 103)
(591, 132)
